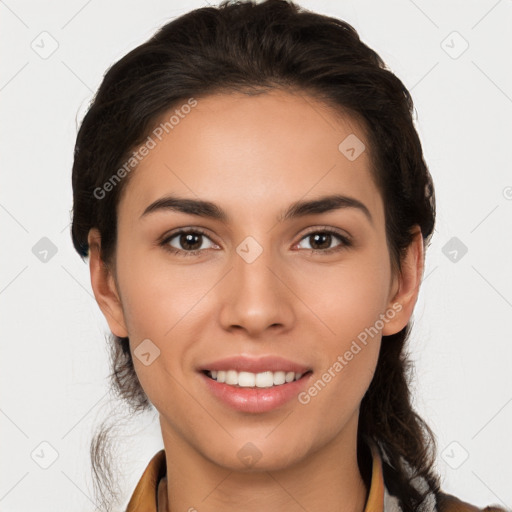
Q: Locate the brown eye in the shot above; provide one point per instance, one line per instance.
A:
(192, 241)
(321, 241)
(186, 242)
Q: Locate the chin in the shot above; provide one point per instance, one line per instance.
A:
(254, 456)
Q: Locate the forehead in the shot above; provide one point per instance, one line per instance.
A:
(254, 151)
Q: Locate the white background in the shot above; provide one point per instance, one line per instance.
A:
(54, 359)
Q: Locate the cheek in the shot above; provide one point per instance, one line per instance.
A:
(156, 295)
(349, 304)
(348, 297)
(154, 306)
(335, 394)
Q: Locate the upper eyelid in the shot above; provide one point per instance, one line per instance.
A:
(180, 231)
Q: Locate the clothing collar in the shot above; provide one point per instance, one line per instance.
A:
(152, 484)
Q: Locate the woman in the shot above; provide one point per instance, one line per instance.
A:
(251, 193)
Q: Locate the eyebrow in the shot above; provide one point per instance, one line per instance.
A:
(297, 209)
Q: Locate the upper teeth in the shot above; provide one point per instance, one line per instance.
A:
(250, 380)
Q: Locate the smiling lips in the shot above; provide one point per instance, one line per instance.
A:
(255, 385)
(255, 364)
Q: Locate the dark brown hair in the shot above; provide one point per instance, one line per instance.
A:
(251, 48)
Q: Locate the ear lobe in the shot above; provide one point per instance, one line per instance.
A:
(409, 280)
(104, 287)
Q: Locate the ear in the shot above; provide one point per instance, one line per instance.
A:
(104, 286)
(406, 285)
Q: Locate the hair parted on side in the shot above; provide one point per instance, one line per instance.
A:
(253, 47)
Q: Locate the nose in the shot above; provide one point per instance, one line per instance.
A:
(257, 296)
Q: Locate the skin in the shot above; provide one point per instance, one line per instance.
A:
(253, 157)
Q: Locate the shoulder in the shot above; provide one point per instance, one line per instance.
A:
(449, 503)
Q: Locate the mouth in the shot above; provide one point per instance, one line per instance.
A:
(255, 384)
(265, 379)
(256, 392)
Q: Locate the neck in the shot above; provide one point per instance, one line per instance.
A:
(328, 479)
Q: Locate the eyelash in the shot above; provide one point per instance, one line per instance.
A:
(345, 241)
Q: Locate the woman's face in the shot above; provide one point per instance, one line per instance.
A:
(254, 297)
